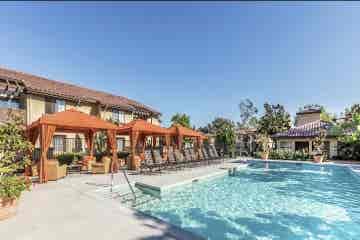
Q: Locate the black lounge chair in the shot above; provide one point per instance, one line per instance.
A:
(172, 163)
(217, 154)
(180, 160)
(148, 162)
(201, 156)
(158, 160)
(214, 155)
(206, 155)
(194, 158)
(188, 158)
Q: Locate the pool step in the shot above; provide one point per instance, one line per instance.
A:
(126, 197)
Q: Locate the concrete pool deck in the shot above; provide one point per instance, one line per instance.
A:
(68, 209)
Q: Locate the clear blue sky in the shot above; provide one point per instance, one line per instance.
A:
(197, 58)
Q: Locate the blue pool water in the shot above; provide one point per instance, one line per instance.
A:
(267, 201)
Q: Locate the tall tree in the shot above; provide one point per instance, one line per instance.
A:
(224, 130)
(348, 133)
(354, 109)
(274, 120)
(248, 112)
(182, 119)
(206, 129)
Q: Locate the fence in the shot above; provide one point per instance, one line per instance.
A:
(61, 145)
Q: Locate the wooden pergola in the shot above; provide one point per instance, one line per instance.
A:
(75, 122)
(138, 130)
(179, 132)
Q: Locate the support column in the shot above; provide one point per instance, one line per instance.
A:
(134, 135)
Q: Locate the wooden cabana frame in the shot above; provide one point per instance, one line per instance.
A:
(138, 130)
(75, 122)
(179, 132)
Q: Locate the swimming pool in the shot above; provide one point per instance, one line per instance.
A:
(267, 200)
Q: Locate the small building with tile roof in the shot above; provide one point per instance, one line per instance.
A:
(308, 124)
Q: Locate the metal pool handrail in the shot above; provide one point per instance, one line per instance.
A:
(128, 182)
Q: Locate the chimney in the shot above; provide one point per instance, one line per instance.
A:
(307, 116)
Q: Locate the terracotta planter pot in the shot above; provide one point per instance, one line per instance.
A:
(318, 158)
(8, 208)
(264, 156)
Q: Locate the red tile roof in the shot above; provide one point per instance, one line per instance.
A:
(41, 85)
(311, 129)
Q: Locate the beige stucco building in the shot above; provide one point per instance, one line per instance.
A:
(31, 96)
(307, 126)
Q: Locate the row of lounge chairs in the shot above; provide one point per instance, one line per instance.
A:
(177, 159)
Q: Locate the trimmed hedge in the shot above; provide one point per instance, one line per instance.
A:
(286, 155)
(68, 158)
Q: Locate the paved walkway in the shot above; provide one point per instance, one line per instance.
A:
(68, 209)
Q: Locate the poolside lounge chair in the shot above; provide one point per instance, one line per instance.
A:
(188, 158)
(201, 156)
(172, 163)
(180, 160)
(148, 162)
(194, 157)
(214, 155)
(206, 155)
(158, 160)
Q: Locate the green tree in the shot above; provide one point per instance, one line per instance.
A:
(224, 130)
(248, 112)
(206, 129)
(348, 133)
(354, 109)
(274, 120)
(182, 119)
(14, 156)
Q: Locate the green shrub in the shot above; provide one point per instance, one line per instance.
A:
(122, 154)
(14, 152)
(257, 154)
(285, 154)
(66, 158)
(98, 156)
(12, 186)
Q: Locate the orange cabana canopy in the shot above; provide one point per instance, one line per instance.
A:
(180, 132)
(70, 121)
(142, 126)
(138, 130)
(73, 120)
(177, 129)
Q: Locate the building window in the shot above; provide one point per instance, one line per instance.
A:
(9, 103)
(118, 116)
(59, 144)
(120, 144)
(284, 145)
(52, 105)
(59, 105)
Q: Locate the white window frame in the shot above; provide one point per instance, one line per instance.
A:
(120, 147)
(60, 105)
(118, 116)
(284, 145)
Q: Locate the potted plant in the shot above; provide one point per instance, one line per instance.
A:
(265, 145)
(14, 157)
(319, 146)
